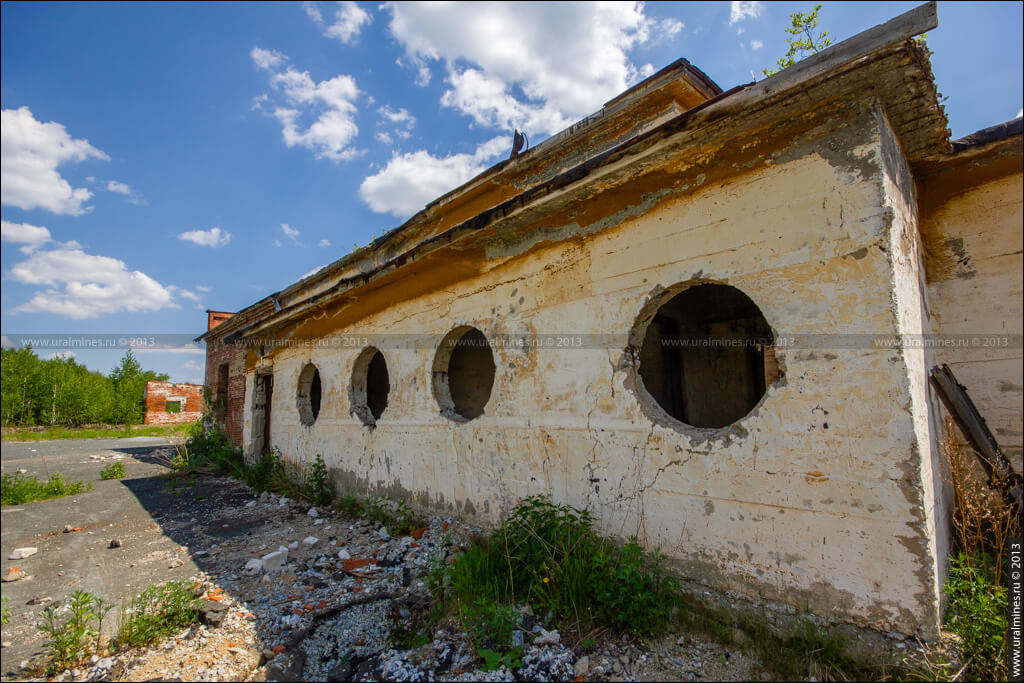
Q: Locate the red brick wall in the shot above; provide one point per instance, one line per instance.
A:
(233, 394)
(157, 394)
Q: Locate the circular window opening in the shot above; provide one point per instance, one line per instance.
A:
(307, 396)
(371, 385)
(707, 355)
(463, 374)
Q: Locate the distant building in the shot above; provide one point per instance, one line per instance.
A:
(168, 403)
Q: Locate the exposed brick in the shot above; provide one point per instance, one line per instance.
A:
(229, 396)
(159, 393)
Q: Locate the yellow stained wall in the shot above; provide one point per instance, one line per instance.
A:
(815, 498)
(975, 290)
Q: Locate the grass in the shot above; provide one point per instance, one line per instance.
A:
(976, 587)
(114, 470)
(18, 489)
(548, 556)
(73, 634)
(157, 612)
(54, 433)
(976, 610)
(76, 636)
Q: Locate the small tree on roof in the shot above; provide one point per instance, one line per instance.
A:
(806, 40)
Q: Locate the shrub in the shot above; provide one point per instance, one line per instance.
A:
(17, 489)
(319, 487)
(113, 471)
(157, 612)
(549, 556)
(73, 638)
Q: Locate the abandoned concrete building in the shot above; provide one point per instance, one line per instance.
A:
(705, 316)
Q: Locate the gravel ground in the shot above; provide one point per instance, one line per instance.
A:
(326, 605)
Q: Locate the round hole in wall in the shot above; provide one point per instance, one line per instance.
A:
(308, 394)
(463, 374)
(368, 393)
(706, 354)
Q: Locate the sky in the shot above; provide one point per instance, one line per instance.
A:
(161, 159)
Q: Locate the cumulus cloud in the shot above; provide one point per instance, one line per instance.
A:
(756, 45)
(348, 20)
(30, 236)
(410, 180)
(80, 285)
(324, 243)
(214, 237)
(742, 9)
(290, 232)
(511, 66)
(329, 105)
(32, 151)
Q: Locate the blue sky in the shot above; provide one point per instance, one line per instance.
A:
(162, 158)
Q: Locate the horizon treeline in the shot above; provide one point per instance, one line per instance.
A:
(60, 391)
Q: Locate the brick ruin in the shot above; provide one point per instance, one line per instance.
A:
(168, 403)
(679, 313)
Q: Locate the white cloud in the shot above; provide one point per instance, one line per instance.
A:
(671, 26)
(756, 45)
(323, 243)
(290, 232)
(187, 294)
(31, 152)
(330, 104)
(191, 296)
(132, 197)
(381, 136)
(277, 243)
(31, 236)
(267, 59)
(214, 237)
(512, 66)
(81, 285)
(348, 20)
(194, 365)
(202, 288)
(411, 180)
(741, 9)
(402, 116)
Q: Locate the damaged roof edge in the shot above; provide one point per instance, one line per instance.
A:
(996, 133)
(915, 22)
(681, 69)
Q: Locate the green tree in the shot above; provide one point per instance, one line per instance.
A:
(129, 390)
(20, 387)
(805, 40)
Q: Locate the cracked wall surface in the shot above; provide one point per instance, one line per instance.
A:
(816, 498)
